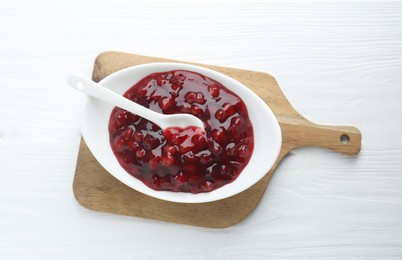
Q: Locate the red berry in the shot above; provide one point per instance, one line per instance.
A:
(165, 181)
(153, 163)
(199, 141)
(186, 109)
(237, 126)
(149, 142)
(213, 90)
(180, 177)
(176, 87)
(214, 147)
(243, 151)
(170, 149)
(190, 97)
(120, 144)
(228, 171)
(156, 181)
(129, 95)
(113, 127)
(126, 157)
(168, 159)
(197, 111)
(143, 91)
(220, 114)
(206, 157)
(229, 109)
(121, 117)
(133, 117)
(155, 98)
(189, 157)
(237, 122)
(140, 153)
(128, 134)
(170, 132)
(177, 139)
(154, 127)
(165, 103)
(206, 186)
(133, 145)
(173, 79)
(230, 149)
(219, 135)
(181, 77)
(138, 136)
(200, 99)
(240, 106)
(160, 81)
(214, 171)
(195, 97)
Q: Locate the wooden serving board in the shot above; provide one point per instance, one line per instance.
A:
(96, 189)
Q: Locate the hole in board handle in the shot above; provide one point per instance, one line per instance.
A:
(344, 138)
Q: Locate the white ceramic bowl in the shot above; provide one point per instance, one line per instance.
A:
(267, 133)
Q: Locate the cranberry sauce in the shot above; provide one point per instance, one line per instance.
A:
(187, 160)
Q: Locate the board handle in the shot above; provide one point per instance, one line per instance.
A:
(342, 139)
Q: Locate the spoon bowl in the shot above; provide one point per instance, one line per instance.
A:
(267, 132)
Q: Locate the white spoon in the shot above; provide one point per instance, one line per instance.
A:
(98, 91)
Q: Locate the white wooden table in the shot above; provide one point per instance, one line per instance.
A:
(337, 62)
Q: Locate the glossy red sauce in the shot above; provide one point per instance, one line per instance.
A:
(186, 160)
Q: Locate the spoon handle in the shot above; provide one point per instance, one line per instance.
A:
(98, 91)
